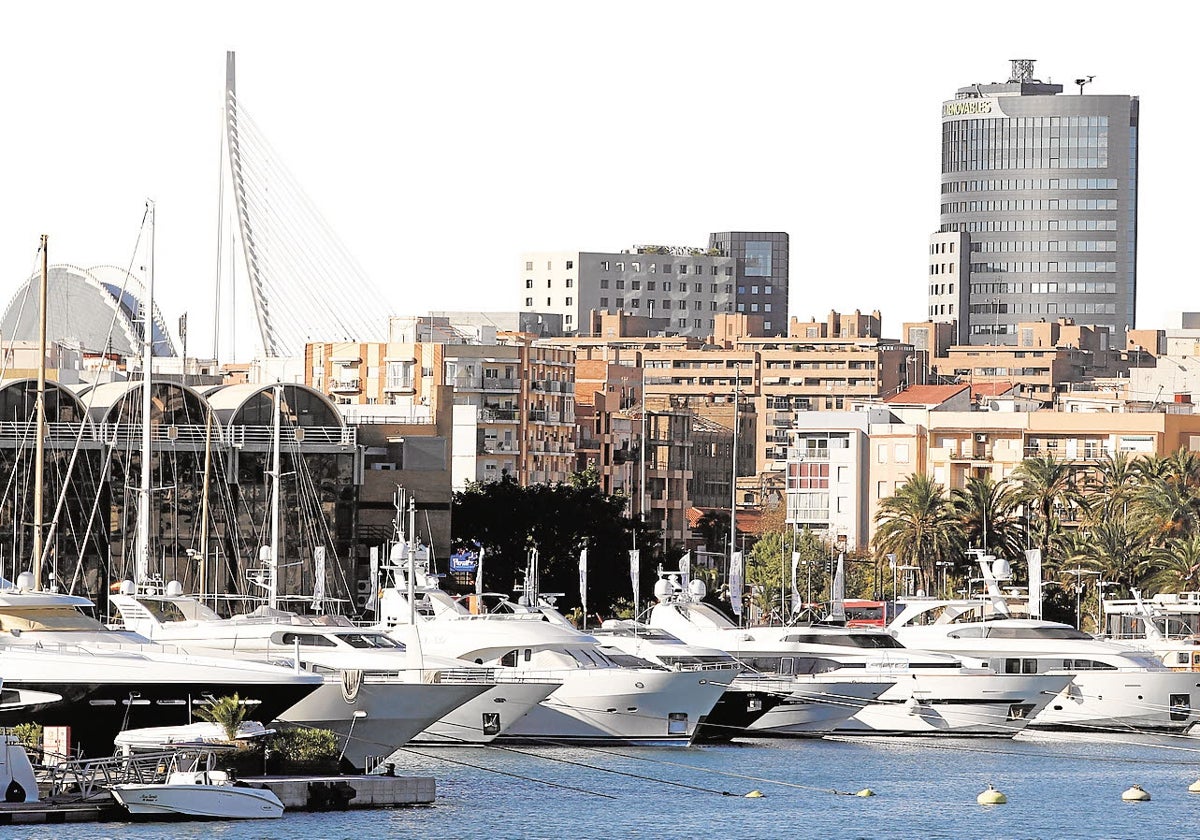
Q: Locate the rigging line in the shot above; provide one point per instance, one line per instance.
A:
(147, 335)
(585, 765)
(21, 311)
(520, 776)
(1080, 755)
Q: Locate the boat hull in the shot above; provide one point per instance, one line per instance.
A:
(381, 716)
(480, 720)
(1163, 701)
(814, 706)
(988, 704)
(198, 801)
(621, 706)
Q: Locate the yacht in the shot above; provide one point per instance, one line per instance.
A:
(111, 680)
(1112, 685)
(930, 693)
(598, 702)
(377, 696)
(1167, 624)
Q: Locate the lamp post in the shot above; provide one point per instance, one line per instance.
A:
(908, 578)
(892, 562)
(1079, 574)
(944, 565)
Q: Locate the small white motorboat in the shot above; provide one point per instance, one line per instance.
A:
(194, 790)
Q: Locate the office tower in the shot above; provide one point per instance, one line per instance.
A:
(1044, 186)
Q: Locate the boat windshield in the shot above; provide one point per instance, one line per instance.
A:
(855, 640)
(48, 618)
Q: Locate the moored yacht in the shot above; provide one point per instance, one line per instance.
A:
(111, 680)
(598, 701)
(376, 696)
(931, 693)
(1112, 686)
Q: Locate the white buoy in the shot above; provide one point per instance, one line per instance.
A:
(865, 792)
(1136, 794)
(1194, 787)
(991, 796)
(754, 794)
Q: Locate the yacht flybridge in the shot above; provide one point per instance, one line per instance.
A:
(1111, 685)
(111, 680)
(598, 702)
(930, 693)
(376, 695)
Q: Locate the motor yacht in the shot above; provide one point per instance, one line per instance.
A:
(377, 695)
(111, 680)
(599, 701)
(929, 693)
(1112, 685)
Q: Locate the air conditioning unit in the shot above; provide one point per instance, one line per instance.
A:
(981, 437)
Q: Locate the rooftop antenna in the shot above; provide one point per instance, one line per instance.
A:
(1082, 82)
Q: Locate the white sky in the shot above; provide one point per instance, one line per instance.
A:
(440, 140)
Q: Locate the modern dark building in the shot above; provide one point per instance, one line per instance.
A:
(761, 271)
(1038, 209)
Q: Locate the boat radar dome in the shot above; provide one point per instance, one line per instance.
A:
(128, 587)
(25, 581)
(697, 588)
(174, 589)
(1001, 569)
(663, 589)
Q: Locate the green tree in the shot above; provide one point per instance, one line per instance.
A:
(919, 525)
(1047, 488)
(988, 513)
(1174, 567)
(226, 712)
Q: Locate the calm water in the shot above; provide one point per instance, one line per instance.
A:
(1058, 787)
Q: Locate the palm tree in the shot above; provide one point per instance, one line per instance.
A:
(919, 525)
(1166, 509)
(1111, 486)
(226, 712)
(1045, 487)
(987, 511)
(1174, 567)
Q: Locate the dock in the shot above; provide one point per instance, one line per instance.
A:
(334, 793)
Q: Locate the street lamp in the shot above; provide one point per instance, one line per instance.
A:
(1079, 573)
(944, 565)
(908, 578)
(892, 562)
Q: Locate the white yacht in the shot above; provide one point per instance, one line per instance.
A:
(930, 693)
(1112, 686)
(376, 695)
(110, 680)
(598, 701)
(1167, 624)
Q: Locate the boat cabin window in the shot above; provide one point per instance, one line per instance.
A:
(1086, 665)
(509, 660)
(370, 640)
(307, 640)
(1020, 666)
(628, 660)
(1037, 632)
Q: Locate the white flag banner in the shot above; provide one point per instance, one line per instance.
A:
(372, 602)
(736, 582)
(583, 582)
(1034, 557)
(795, 591)
(635, 574)
(318, 593)
(479, 573)
(838, 594)
(685, 571)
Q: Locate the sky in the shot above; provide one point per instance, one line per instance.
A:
(442, 140)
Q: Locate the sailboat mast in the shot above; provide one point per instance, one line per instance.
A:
(273, 591)
(142, 545)
(203, 571)
(40, 457)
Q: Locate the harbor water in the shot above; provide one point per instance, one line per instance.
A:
(1058, 786)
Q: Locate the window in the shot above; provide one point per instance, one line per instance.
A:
(666, 285)
(712, 305)
(649, 285)
(603, 265)
(653, 268)
(766, 307)
(529, 265)
(697, 322)
(712, 289)
(570, 264)
(620, 266)
(881, 453)
(549, 283)
(604, 302)
(637, 266)
(620, 284)
(635, 303)
(570, 301)
(636, 285)
(548, 302)
(529, 283)
(683, 269)
(901, 453)
(620, 302)
(766, 290)
(666, 268)
(666, 304)
(529, 301)
(570, 283)
(881, 490)
(604, 283)
(728, 288)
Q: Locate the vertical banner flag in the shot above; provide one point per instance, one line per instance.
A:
(318, 594)
(583, 583)
(1034, 557)
(795, 591)
(479, 573)
(685, 571)
(635, 574)
(373, 594)
(838, 594)
(736, 582)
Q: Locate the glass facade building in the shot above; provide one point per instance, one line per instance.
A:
(1044, 186)
(761, 271)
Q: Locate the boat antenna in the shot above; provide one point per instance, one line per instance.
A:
(40, 457)
(142, 544)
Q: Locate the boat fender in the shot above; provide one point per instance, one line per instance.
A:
(754, 794)
(991, 796)
(1135, 794)
(1194, 787)
(865, 792)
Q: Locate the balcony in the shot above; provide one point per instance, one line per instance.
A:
(345, 386)
(499, 415)
(393, 386)
(507, 385)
